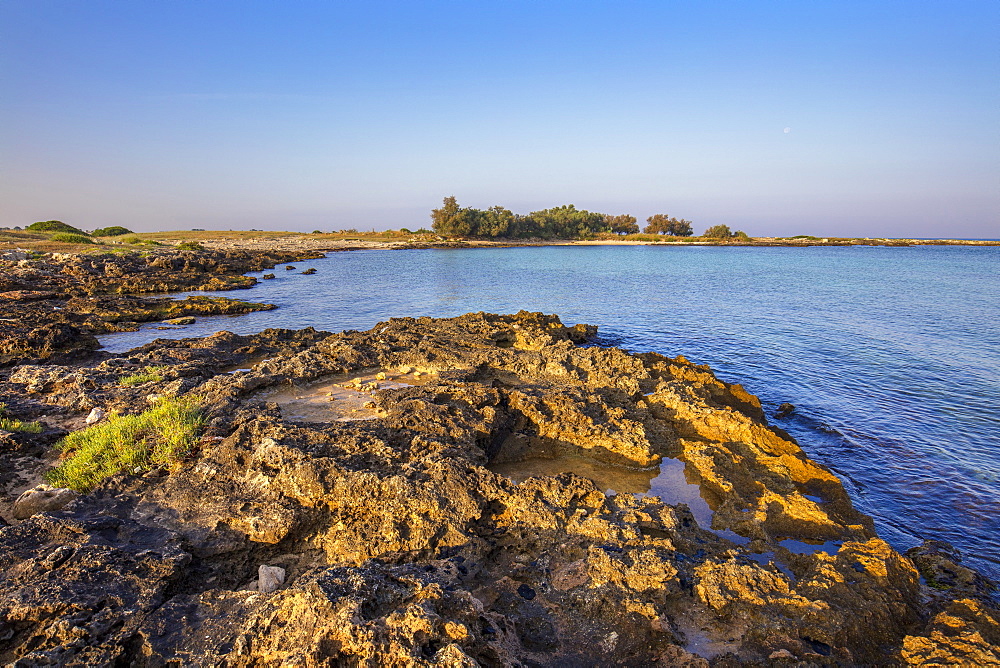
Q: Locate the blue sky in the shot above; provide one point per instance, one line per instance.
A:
(332, 115)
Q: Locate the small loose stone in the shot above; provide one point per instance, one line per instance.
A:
(270, 578)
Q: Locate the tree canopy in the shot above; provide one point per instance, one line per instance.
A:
(718, 232)
(561, 222)
(664, 224)
(623, 224)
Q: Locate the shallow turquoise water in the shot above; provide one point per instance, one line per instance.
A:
(891, 355)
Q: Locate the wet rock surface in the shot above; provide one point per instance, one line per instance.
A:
(392, 541)
(51, 307)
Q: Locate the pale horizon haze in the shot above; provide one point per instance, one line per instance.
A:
(777, 118)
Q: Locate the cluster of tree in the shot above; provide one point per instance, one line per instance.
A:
(723, 232)
(565, 222)
(559, 222)
(663, 224)
(623, 224)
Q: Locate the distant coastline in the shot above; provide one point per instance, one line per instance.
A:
(251, 240)
(293, 242)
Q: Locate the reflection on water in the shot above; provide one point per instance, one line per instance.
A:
(765, 558)
(246, 365)
(666, 481)
(610, 479)
(803, 547)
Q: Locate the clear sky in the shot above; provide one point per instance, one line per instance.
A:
(830, 118)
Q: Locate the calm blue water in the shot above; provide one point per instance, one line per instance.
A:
(891, 355)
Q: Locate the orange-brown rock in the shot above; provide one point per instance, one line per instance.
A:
(403, 544)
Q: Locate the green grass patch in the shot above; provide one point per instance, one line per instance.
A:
(147, 375)
(12, 424)
(160, 436)
(70, 238)
(134, 240)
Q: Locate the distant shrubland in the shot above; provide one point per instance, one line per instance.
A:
(70, 238)
(54, 226)
(113, 231)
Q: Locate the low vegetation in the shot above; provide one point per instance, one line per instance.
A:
(113, 231)
(148, 375)
(13, 424)
(723, 233)
(54, 226)
(136, 240)
(160, 436)
(70, 238)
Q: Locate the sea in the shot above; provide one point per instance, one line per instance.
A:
(890, 355)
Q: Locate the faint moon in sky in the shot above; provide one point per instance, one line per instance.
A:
(787, 130)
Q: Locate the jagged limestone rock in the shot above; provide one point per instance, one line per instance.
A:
(402, 544)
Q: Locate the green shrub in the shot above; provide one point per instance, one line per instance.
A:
(13, 424)
(53, 226)
(68, 238)
(740, 235)
(160, 436)
(149, 374)
(718, 232)
(190, 245)
(139, 241)
(113, 231)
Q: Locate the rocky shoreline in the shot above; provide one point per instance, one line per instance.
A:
(368, 498)
(53, 306)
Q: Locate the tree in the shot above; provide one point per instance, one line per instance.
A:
(679, 228)
(497, 222)
(565, 222)
(656, 224)
(623, 224)
(718, 232)
(445, 217)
